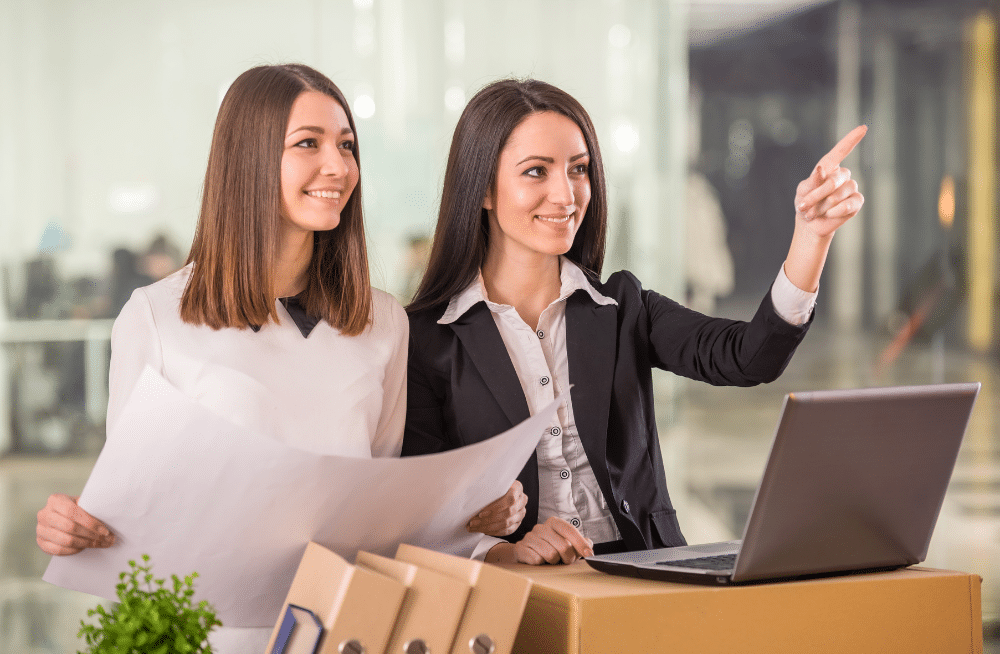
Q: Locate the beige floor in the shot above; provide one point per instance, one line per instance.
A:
(715, 442)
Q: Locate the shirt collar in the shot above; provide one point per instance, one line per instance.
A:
(571, 279)
(297, 312)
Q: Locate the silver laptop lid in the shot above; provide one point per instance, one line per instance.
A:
(855, 479)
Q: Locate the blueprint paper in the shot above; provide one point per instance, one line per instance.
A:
(199, 493)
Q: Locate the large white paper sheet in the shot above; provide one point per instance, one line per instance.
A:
(197, 492)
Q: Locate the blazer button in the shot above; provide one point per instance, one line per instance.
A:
(540, 333)
(624, 506)
(543, 381)
(564, 474)
(576, 522)
(555, 431)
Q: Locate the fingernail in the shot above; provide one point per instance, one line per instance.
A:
(801, 207)
(103, 531)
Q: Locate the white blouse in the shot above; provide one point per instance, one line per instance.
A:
(567, 487)
(327, 393)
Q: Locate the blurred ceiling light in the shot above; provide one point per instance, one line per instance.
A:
(741, 150)
(784, 132)
(626, 138)
(132, 199)
(364, 106)
(946, 202)
(741, 135)
(363, 4)
(454, 40)
(619, 36)
(737, 165)
(454, 98)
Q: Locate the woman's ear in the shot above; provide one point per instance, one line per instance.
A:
(488, 201)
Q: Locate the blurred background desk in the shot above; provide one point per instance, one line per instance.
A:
(35, 419)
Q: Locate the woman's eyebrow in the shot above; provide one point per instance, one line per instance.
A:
(318, 130)
(550, 160)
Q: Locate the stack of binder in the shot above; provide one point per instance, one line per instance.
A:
(421, 602)
(355, 608)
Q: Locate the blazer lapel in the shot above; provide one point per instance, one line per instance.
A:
(591, 340)
(482, 342)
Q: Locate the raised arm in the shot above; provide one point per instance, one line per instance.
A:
(823, 202)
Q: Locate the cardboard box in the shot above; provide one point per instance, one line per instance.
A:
(577, 610)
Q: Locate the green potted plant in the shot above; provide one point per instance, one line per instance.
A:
(150, 617)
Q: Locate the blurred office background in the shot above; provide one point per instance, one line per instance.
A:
(709, 113)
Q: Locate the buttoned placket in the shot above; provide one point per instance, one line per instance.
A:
(567, 486)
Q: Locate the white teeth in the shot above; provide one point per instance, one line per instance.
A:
(324, 194)
(555, 219)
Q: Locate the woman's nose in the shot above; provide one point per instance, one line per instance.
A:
(333, 163)
(561, 190)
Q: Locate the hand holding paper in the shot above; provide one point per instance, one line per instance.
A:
(189, 488)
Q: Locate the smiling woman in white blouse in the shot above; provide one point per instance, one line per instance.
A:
(512, 312)
(275, 302)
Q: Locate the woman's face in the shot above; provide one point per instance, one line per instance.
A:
(542, 187)
(318, 168)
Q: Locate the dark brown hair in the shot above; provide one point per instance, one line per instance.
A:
(461, 239)
(236, 241)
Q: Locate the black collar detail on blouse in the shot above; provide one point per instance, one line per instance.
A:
(302, 320)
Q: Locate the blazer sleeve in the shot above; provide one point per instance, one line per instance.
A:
(425, 425)
(719, 351)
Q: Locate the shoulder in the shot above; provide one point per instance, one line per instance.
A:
(388, 316)
(166, 293)
(622, 286)
(425, 321)
(429, 340)
(155, 303)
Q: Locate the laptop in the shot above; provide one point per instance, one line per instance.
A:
(854, 482)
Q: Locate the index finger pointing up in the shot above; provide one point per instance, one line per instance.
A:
(840, 151)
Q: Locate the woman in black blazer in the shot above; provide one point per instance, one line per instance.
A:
(512, 311)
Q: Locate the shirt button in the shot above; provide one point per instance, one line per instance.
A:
(543, 381)
(575, 522)
(555, 431)
(624, 506)
(540, 333)
(564, 474)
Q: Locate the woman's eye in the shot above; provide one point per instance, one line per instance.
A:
(306, 143)
(348, 145)
(535, 171)
(581, 168)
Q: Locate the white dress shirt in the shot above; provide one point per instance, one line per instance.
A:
(328, 393)
(567, 486)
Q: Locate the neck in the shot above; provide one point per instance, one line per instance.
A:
(529, 282)
(294, 256)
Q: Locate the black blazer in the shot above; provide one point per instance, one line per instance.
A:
(463, 388)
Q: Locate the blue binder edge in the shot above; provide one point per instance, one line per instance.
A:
(288, 623)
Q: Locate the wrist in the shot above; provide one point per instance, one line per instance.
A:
(501, 553)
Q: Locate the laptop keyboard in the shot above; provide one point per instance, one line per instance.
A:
(720, 562)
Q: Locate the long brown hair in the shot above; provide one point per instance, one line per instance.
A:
(461, 239)
(236, 241)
